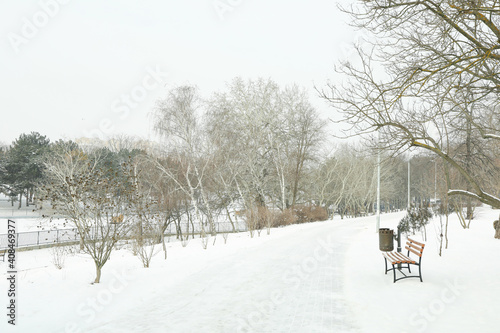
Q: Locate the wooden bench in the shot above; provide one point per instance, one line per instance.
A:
(397, 260)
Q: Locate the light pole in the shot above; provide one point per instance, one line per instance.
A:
(435, 181)
(378, 184)
(409, 184)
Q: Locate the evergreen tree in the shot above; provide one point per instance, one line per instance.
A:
(23, 165)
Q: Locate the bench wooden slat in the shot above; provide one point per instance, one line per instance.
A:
(417, 248)
(401, 258)
(390, 256)
(393, 256)
(398, 258)
(413, 251)
(418, 243)
(407, 260)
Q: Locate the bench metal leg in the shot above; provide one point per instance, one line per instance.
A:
(394, 268)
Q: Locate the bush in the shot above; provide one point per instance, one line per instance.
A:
(310, 213)
(286, 217)
(415, 220)
(255, 218)
(261, 217)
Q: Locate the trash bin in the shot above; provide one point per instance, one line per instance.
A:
(386, 239)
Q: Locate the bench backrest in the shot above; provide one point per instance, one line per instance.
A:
(415, 247)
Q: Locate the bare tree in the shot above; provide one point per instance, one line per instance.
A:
(270, 134)
(65, 162)
(430, 52)
(178, 120)
(95, 199)
(346, 181)
(305, 132)
(145, 211)
(239, 123)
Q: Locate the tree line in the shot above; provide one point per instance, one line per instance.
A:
(255, 152)
(426, 79)
(256, 144)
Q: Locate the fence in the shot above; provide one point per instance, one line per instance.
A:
(47, 237)
(42, 237)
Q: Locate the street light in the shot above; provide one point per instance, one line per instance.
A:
(378, 184)
(409, 184)
(435, 180)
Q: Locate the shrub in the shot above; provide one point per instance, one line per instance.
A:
(286, 217)
(415, 220)
(310, 213)
(261, 217)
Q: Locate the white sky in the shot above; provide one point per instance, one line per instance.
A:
(85, 68)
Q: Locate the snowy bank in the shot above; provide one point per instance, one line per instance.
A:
(317, 277)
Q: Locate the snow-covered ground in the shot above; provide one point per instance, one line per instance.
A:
(317, 277)
(27, 218)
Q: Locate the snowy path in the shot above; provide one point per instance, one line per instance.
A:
(290, 284)
(311, 278)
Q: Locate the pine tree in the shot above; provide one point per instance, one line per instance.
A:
(23, 165)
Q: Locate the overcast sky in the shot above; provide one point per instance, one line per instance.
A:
(95, 68)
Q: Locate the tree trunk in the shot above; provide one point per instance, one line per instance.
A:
(441, 235)
(468, 161)
(230, 219)
(497, 229)
(469, 209)
(98, 273)
(163, 245)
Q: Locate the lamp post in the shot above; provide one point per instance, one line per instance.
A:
(409, 184)
(435, 181)
(378, 184)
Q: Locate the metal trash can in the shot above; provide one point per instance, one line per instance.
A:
(386, 239)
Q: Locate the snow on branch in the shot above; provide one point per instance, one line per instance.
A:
(482, 197)
(462, 192)
(491, 136)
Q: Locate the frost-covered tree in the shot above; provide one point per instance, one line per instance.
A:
(186, 156)
(271, 134)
